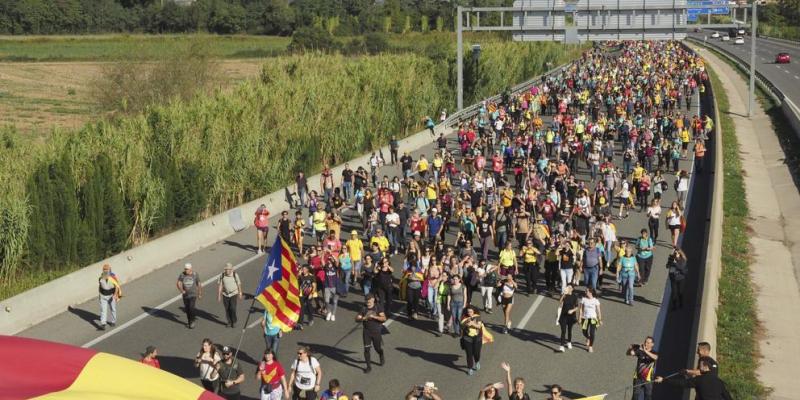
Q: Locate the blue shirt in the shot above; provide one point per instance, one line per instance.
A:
(434, 224)
(644, 243)
(269, 329)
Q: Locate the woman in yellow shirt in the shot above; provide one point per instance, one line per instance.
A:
(472, 338)
(508, 261)
(530, 255)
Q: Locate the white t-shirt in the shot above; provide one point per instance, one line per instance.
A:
(207, 371)
(305, 377)
(590, 307)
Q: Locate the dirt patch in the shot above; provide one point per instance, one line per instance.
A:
(37, 97)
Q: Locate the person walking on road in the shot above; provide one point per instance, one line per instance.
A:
(472, 338)
(206, 361)
(261, 223)
(229, 289)
(272, 333)
(645, 365)
(506, 299)
(676, 266)
(272, 377)
(231, 375)
(456, 299)
(644, 256)
(110, 292)
(191, 289)
(590, 316)
(372, 318)
(567, 316)
(627, 273)
(674, 221)
(306, 376)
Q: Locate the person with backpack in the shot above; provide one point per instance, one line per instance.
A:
(229, 289)
(306, 376)
(191, 289)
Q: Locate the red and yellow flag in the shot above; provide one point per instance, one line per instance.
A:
(54, 371)
(279, 290)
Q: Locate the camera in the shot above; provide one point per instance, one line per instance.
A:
(636, 346)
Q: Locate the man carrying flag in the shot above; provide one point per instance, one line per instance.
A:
(278, 289)
(110, 293)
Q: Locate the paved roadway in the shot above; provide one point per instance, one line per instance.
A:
(151, 315)
(784, 76)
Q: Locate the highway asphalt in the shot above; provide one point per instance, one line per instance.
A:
(785, 77)
(150, 314)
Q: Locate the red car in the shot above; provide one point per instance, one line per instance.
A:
(782, 58)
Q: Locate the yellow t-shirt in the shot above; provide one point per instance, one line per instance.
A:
(638, 172)
(355, 247)
(422, 165)
(529, 254)
(319, 220)
(507, 258)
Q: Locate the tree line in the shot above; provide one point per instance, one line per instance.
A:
(263, 17)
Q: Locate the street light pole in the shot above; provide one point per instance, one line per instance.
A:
(753, 34)
(459, 61)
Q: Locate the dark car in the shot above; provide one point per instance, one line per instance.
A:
(782, 58)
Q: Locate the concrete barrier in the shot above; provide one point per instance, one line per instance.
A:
(709, 299)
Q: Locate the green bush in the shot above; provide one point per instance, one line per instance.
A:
(376, 43)
(313, 38)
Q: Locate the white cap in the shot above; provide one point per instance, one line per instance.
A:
(430, 385)
(187, 266)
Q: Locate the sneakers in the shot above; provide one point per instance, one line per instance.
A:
(328, 316)
(101, 327)
(259, 251)
(477, 366)
(569, 345)
(488, 310)
(561, 349)
(368, 369)
(470, 372)
(333, 317)
(112, 324)
(383, 360)
(192, 324)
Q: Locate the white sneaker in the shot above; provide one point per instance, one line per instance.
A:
(569, 345)
(333, 317)
(328, 317)
(259, 252)
(561, 349)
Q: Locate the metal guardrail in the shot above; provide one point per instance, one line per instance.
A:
(790, 110)
(773, 90)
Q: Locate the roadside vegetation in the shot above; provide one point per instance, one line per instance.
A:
(737, 323)
(122, 180)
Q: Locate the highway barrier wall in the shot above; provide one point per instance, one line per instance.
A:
(26, 309)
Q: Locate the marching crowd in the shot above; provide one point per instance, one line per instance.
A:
(521, 217)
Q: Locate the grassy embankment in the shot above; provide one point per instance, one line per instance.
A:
(736, 317)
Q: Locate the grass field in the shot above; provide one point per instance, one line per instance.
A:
(37, 96)
(116, 47)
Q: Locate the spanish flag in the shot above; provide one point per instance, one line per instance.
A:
(55, 371)
(279, 290)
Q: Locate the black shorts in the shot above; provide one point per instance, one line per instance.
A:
(506, 300)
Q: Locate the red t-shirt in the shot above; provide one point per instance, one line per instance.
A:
(271, 373)
(153, 362)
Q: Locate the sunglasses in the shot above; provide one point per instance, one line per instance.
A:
(555, 392)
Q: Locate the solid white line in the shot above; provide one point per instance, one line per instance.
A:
(256, 322)
(157, 308)
(529, 314)
(786, 70)
(796, 77)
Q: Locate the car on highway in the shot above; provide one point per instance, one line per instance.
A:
(738, 40)
(715, 35)
(725, 38)
(782, 58)
(740, 32)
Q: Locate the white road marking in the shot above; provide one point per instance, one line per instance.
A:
(529, 314)
(796, 77)
(786, 70)
(256, 322)
(158, 308)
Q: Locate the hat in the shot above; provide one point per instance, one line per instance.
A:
(434, 209)
(227, 350)
(228, 266)
(417, 233)
(354, 232)
(187, 266)
(149, 350)
(430, 385)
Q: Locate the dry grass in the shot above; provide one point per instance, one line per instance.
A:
(36, 97)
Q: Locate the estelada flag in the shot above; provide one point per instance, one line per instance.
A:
(278, 289)
(54, 371)
(486, 336)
